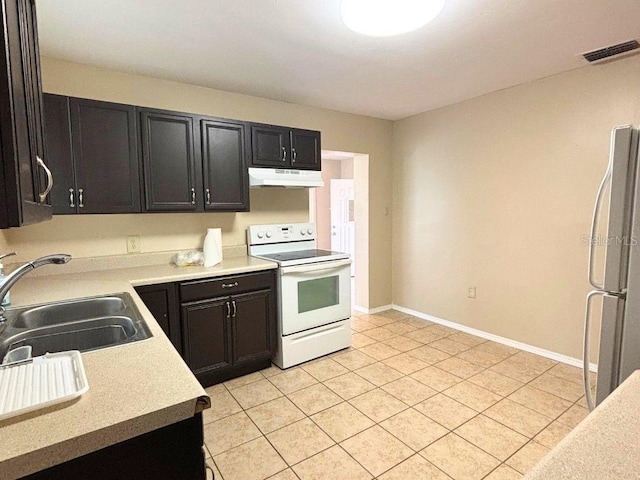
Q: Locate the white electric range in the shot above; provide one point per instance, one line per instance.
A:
(314, 291)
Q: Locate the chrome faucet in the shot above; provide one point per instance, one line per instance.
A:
(10, 280)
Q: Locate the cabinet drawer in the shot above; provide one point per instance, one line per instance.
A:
(221, 286)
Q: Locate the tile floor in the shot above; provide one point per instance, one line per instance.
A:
(410, 400)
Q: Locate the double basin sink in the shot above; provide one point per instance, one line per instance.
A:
(85, 324)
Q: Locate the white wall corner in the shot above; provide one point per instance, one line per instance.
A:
(371, 311)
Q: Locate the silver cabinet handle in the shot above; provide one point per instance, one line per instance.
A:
(81, 197)
(71, 199)
(43, 195)
(228, 311)
(208, 192)
(284, 154)
(193, 196)
(235, 309)
(229, 285)
(293, 155)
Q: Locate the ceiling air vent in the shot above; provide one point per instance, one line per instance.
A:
(611, 51)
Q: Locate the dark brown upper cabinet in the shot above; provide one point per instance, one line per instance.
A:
(169, 162)
(24, 177)
(193, 163)
(94, 156)
(305, 149)
(105, 152)
(57, 127)
(223, 161)
(284, 147)
(269, 146)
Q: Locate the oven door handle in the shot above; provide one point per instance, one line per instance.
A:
(316, 267)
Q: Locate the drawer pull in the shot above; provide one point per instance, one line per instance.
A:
(229, 285)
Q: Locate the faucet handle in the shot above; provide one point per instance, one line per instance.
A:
(8, 255)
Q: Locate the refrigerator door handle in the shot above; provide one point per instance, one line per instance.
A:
(586, 373)
(594, 228)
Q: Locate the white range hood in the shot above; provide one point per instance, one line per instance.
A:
(277, 177)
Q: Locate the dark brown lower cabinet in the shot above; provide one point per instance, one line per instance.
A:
(205, 329)
(174, 451)
(162, 302)
(231, 335)
(223, 327)
(250, 322)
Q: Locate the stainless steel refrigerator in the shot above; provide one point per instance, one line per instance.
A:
(614, 243)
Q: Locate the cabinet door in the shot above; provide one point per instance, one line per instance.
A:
(22, 190)
(162, 302)
(206, 334)
(305, 149)
(105, 152)
(223, 160)
(270, 146)
(251, 317)
(168, 162)
(57, 129)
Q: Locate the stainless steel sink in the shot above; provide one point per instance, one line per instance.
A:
(57, 313)
(85, 324)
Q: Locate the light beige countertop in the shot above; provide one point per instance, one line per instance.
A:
(604, 446)
(133, 388)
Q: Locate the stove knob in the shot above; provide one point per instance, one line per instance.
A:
(268, 234)
(309, 231)
(260, 234)
(302, 232)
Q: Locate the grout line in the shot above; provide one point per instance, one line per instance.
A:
(403, 375)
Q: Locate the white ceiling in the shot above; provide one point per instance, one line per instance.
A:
(299, 51)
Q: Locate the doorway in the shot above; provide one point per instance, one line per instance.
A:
(342, 218)
(340, 210)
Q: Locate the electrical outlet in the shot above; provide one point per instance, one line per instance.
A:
(471, 292)
(133, 244)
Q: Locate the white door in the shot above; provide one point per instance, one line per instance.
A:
(342, 222)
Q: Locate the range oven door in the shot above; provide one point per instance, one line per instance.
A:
(314, 294)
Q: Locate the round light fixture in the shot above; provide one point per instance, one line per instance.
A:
(383, 18)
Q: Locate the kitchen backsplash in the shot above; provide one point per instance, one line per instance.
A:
(111, 262)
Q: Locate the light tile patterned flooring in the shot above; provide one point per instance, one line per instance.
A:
(410, 400)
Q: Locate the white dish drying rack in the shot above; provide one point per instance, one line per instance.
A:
(39, 382)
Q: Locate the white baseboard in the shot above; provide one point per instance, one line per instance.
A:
(371, 311)
(576, 362)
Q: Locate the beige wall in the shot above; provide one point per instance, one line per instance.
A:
(105, 235)
(98, 235)
(346, 168)
(497, 192)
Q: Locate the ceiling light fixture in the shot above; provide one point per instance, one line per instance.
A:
(383, 18)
